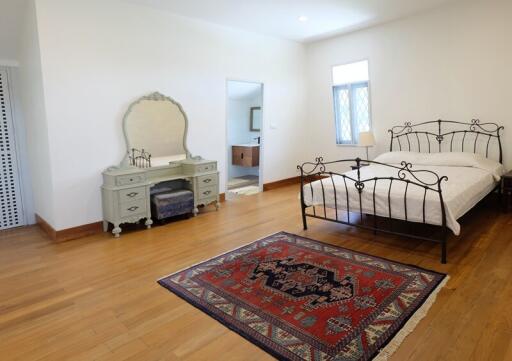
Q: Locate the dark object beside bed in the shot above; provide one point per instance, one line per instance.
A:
(420, 137)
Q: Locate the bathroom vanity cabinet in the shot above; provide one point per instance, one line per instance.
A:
(246, 155)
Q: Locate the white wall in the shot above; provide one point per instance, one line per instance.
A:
(98, 56)
(29, 91)
(451, 63)
(239, 132)
(11, 11)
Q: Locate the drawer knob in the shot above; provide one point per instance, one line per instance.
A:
(206, 192)
(207, 180)
(132, 194)
(133, 208)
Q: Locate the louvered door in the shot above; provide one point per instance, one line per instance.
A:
(10, 197)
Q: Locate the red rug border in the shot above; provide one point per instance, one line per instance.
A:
(260, 344)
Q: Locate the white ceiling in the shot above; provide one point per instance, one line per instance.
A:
(273, 17)
(280, 17)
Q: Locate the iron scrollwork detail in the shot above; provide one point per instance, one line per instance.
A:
(309, 168)
(359, 186)
(418, 137)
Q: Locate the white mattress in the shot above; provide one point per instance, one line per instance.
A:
(465, 187)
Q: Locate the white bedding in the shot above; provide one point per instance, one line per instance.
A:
(470, 179)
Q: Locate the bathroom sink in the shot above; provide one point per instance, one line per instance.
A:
(246, 145)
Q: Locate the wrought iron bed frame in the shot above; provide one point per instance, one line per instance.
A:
(312, 171)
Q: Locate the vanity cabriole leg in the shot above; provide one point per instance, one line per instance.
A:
(117, 230)
(195, 211)
(105, 226)
(148, 223)
(217, 205)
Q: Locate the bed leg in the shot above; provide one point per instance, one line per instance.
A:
(443, 248)
(304, 221)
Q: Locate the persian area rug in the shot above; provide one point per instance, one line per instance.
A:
(300, 299)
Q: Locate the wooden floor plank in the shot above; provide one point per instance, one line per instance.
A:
(97, 298)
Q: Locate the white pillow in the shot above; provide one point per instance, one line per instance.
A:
(450, 159)
(398, 157)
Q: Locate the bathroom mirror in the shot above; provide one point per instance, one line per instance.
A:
(255, 125)
(155, 129)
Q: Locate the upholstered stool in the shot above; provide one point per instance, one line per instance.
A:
(172, 203)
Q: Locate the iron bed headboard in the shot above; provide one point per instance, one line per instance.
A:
(414, 136)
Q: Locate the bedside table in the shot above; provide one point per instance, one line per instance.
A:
(354, 167)
(506, 191)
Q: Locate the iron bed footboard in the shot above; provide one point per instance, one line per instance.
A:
(318, 170)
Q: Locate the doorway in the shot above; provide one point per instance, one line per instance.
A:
(244, 138)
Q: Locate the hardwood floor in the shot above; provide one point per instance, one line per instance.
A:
(97, 298)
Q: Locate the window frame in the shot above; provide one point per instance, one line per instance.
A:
(334, 87)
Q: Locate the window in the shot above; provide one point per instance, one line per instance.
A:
(351, 101)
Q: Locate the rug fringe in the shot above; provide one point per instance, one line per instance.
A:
(385, 353)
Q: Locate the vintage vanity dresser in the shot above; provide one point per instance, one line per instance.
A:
(155, 130)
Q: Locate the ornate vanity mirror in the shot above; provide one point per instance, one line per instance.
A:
(155, 129)
(158, 177)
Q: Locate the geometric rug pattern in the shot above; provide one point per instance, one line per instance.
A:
(301, 299)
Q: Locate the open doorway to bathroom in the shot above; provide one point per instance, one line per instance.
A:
(244, 138)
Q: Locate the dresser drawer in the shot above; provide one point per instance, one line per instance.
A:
(132, 208)
(201, 168)
(125, 180)
(207, 192)
(132, 194)
(207, 180)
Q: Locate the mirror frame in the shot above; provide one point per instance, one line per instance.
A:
(251, 126)
(157, 97)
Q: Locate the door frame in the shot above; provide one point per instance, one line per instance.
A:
(262, 131)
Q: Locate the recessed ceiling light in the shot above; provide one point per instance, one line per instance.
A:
(303, 18)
